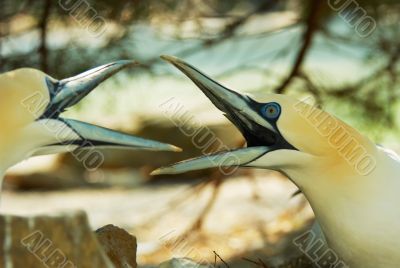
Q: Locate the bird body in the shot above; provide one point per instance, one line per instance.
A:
(357, 214)
(351, 184)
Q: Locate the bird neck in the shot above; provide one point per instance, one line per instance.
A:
(340, 197)
(16, 148)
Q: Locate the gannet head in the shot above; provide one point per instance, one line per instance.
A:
(30, 106)
(282, 134)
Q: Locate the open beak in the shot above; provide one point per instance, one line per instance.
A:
(68, 92)
(242, 111)
(70, 135)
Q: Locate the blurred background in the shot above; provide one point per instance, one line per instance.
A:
(342, 55)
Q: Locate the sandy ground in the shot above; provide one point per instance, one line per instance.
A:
(158, 214)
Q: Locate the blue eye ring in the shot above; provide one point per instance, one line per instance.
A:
(271, 110)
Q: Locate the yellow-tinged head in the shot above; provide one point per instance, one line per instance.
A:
(17, 90)
(315, 132)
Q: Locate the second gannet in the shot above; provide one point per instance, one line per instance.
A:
(353, 185)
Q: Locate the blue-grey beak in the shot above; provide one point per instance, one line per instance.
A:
(68, 92)
(240, 110)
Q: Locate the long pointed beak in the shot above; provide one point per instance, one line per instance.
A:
(240, 110)
(108, 138)
(223, 98)
(68, 92)
(222, 160)
(70, 135)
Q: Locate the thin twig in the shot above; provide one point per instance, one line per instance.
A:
(219, 257)
(259, 263)
(198, 223)
(311, 27)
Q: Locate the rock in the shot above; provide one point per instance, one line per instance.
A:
(182, 263)
(119, 245)
(50, 241)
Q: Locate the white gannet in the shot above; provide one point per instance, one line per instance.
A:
(352, 185)
(30, 106)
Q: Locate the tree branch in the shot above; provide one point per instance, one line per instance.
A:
(312, 26)
(43, 50)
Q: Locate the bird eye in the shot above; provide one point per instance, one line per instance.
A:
(271, 110)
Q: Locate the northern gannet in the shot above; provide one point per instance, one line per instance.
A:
(30, 106)
(353, 185)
